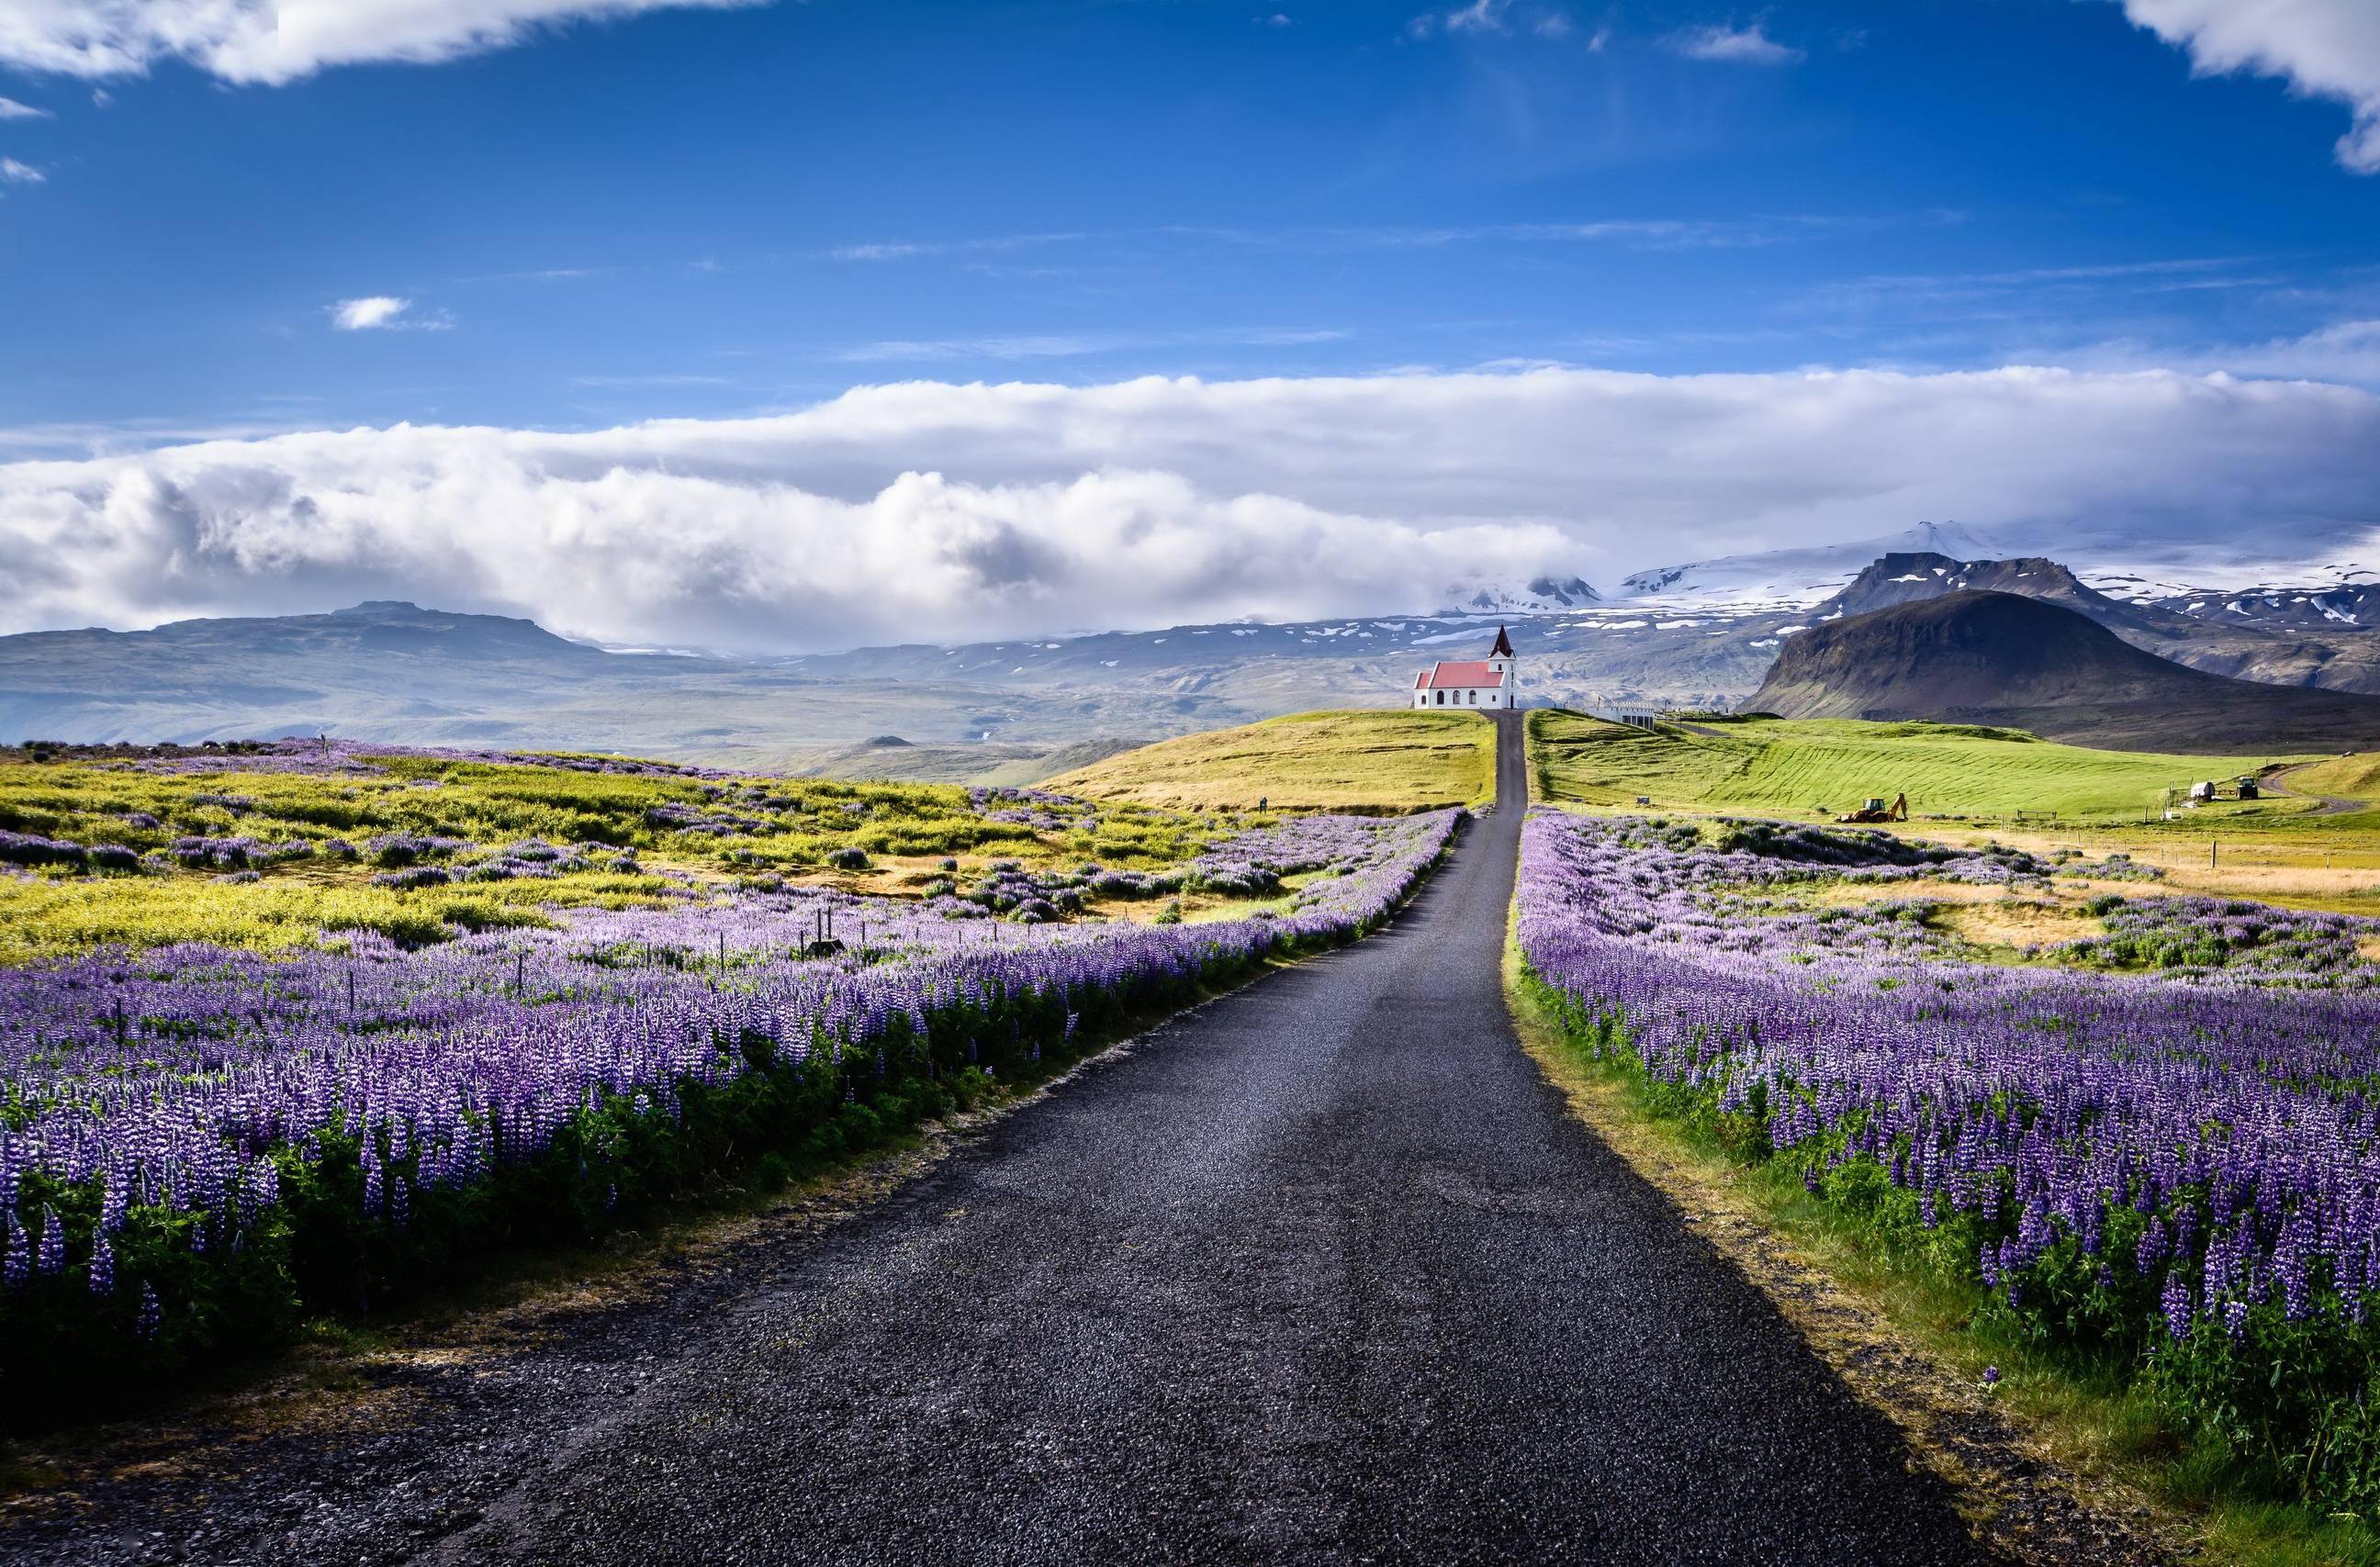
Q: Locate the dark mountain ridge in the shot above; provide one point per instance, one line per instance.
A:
(2310, 637)
(1972, 656)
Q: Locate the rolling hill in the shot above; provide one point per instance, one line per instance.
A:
(1394, 760)
(2014, 661)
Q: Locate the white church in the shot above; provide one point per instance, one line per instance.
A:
(1471, 682)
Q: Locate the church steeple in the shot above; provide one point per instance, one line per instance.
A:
(1503, 648)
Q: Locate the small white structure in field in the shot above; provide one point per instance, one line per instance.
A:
(1471, 682)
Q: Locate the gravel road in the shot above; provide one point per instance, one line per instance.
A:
(1322, 1271)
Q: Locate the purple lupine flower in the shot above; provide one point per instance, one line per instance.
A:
(473, 1054)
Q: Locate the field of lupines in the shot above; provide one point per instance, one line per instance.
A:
(2178, 1167)
(202, 1144)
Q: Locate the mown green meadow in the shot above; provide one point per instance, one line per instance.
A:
(1801, 768)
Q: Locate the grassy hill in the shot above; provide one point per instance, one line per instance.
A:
(1794, 767)
(1360, 760)
(2352, 777)
(888, 758)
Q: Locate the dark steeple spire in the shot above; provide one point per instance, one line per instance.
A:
(1503, 648)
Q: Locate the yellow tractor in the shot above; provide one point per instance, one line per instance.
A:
(1875, 810)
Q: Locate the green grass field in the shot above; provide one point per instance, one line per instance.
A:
(1393, 760)
(1802, 768)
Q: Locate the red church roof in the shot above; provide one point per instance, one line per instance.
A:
(1458, 673)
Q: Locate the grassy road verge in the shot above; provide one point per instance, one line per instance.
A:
(2056, 1458)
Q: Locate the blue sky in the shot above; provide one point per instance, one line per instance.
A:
(710, 212)
(802, 323)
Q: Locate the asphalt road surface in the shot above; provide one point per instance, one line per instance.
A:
(1322, 1271)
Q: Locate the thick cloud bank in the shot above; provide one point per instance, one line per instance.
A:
(2324, 48)
(277, 41)
(936, 512)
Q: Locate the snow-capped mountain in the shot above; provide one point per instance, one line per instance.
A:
(1542, 595)
(1807, 574)
(2341, 597)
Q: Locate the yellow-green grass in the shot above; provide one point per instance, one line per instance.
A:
(2355, 776)
(41, 917)
(1801, 769)
(498, 803)
(905, 830)
(1387, 761)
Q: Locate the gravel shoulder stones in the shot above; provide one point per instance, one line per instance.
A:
(1322, 1271)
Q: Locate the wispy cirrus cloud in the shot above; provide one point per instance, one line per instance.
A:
(243, 41)
(2174, 273)
(909, 250)
(1731, 46)
(658, 381)
(1065, 346)
(2323, 48)
(544, 275)
(14, 172)
(1492, 18)
(1650, 233)
(12, 110)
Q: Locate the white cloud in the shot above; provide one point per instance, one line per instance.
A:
(14, 172)
(995, 510)
(12, 110)
(2345, 352)
(383, 313)
(362, 315)
(1741, 46)
(2324, 48)
(278, 41)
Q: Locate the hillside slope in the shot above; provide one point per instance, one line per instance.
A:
(1393, 760)
(1974, 656)
(890, 758)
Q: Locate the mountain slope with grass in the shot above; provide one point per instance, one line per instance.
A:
(2004, 660)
